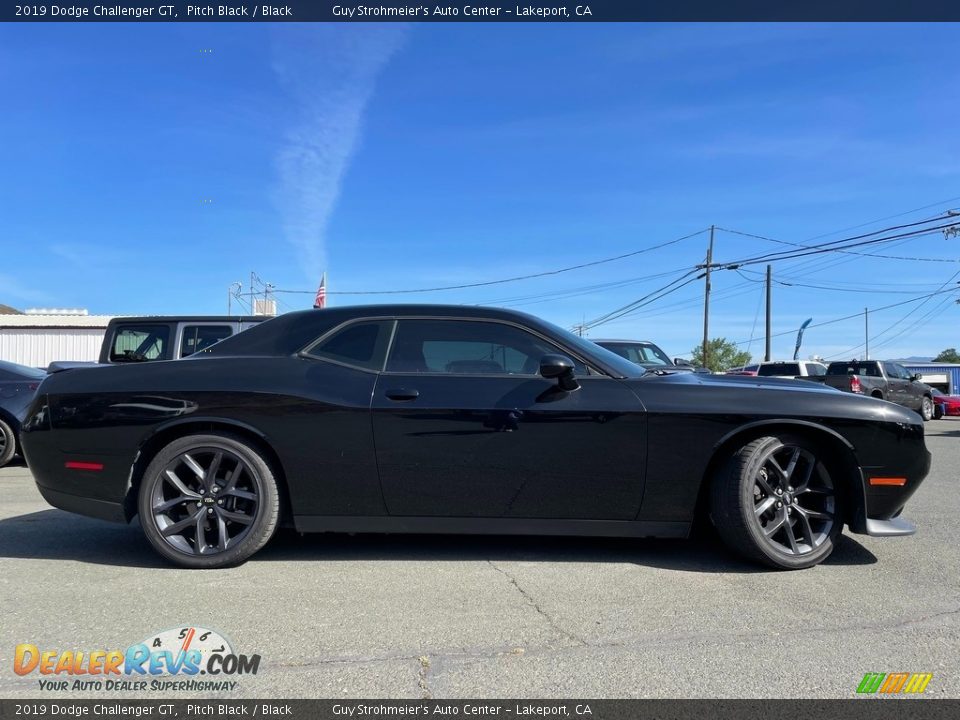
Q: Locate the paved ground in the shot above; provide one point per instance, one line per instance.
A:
(481, 617)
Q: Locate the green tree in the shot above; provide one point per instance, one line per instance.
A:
(722, 354)
(948, 356)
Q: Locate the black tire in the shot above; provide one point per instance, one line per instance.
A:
(8, 443)
(748, 482)
(177, 513)
(926, 408)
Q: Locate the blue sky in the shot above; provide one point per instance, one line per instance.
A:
(141, 174)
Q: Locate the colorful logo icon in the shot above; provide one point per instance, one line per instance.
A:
(894, 683)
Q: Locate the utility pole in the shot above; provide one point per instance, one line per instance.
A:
(766, 354)
(866, 332)
(706, 304)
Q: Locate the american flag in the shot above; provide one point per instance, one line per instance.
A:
(321, 299)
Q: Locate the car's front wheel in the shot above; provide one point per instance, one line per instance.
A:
(208, 501)
(775, 502)
(926, 408)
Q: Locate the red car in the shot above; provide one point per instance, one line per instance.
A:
(945, 405)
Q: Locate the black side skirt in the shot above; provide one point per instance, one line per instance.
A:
(491, 526)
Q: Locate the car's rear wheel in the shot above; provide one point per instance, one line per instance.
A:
(8, 443)
(775, 502)
(926, 408)
(208, 501)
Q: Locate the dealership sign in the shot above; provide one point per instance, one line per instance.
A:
(182, 653)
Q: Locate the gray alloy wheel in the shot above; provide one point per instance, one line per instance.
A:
(775, 502)
(8, 443)
(208, 501)
(926, 408)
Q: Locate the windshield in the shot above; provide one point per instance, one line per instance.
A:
(589, 349)
(646, 354)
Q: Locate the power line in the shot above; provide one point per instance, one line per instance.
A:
(825, 247)
(860, 314)
(846, 252)
(510, 279)
(645, 300)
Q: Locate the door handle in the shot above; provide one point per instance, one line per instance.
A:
(403, 394)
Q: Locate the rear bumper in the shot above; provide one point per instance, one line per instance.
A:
(90, 507)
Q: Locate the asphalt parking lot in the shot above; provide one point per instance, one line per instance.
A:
(375, 616)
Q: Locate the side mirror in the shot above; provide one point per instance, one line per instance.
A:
(680, 362)
(917, 376)
(560, 368)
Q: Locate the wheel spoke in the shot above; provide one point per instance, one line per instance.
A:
(235, 516)
(804, 484)
(222, 539)
(764, 485)
(770, 530)
(178, 484)
(791, 537)
(177, 527)
(807, 528)
(232, 478)
(772, 461)
(194, 466)
(210, 478)
(199, 541)
(164, 506)
(814, 514)
(792, 465)
(245, 495)
(764, 505)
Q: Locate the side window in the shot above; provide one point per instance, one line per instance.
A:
(137, 343)
(891, 370)
(904, 373)
(815, 370)
(199, 337)
(465, 347)
(362, 344)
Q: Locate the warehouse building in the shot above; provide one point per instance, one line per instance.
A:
(38, 337)
(943, 376)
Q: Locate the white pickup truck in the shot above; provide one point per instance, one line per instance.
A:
(793, 369)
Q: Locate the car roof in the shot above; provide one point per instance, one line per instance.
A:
(635, 342)
(290, 332)
(191, 318)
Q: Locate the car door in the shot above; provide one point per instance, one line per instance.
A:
(912, 390)
(896, 385)
(465, 426)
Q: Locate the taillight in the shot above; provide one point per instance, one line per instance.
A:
(854, 384)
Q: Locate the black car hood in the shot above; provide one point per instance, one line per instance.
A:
(763, 396)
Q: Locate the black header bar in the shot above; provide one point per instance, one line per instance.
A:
(483, 11)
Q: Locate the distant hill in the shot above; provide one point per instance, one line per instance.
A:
(7, 310)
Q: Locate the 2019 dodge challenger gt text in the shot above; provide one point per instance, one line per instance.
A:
(454, 419)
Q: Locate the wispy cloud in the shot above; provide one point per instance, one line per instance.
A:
(13, 291)
(330, 73)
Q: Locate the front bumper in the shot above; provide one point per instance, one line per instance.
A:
(894, 527)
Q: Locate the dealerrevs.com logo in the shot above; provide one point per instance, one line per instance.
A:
(166, 661)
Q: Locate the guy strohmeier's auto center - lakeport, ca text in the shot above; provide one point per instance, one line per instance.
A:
(538, 12)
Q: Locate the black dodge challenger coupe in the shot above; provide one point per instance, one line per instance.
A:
(455, 419)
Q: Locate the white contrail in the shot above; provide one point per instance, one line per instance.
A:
(330, 71)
